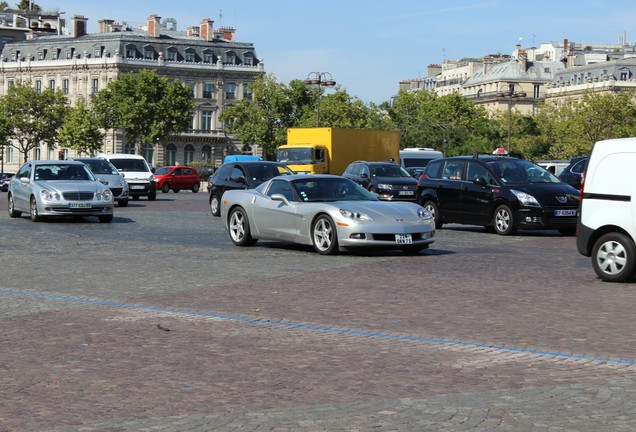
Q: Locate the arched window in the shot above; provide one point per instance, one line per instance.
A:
(188, 154)
(148, 152)
(206, 153)
(171, 154)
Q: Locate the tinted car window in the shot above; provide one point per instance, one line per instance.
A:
(224, 172)
(476, 170)
(434, 169)
(579, 166)
(453, 170)
(237, 173)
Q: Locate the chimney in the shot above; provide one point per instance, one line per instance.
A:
(78, 25)
(193, 31)
(154, 25)
(205, 30)
(523, 61)
(228, 33)
(104, 25)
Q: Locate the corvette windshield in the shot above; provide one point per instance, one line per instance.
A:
(330, 189)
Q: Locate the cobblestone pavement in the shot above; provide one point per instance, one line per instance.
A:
(156, 322)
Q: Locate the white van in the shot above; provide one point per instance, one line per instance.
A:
(607, 219)
(418, 156)
(141, 181)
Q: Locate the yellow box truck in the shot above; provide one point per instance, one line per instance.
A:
(331, 150)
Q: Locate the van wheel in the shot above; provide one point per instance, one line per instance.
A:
(614, 257)
(434, 210)
(503, 221)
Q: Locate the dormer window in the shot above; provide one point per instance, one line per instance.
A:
(149, 54)
(41, 54)
(249, 59)
(69, 54)
(97, 52)
(190, 57)
(208, 57)
(230, 58)
(172, 54)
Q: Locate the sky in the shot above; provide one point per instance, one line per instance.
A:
(369, 46)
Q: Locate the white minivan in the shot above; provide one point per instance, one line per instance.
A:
(136, 171)
(418, 156)
(607, 219)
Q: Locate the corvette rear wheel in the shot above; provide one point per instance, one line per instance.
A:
(239, 227)
(324, 235)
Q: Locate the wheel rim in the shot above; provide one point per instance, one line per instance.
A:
(10, 205)
(214, 205)
(237, 226)
(34, 208)
(431, 209)
(502, 220)
(323, 235)
(611, 257)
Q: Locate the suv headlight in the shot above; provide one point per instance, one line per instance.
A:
(525, 199)
(385, 186)
(357, 216)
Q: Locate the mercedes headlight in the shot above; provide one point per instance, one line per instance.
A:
(48, 195)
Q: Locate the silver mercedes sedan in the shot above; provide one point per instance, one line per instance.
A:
(332, 213)
(58, 188)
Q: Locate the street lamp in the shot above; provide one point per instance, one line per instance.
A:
(510, 94)
(319, 79)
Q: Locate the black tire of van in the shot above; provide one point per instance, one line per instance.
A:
(606, 249)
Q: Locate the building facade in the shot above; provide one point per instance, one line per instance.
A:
(209, 60)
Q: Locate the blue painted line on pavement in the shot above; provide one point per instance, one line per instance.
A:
(261, 321)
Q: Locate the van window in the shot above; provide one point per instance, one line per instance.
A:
(434, 169)
(453, 170)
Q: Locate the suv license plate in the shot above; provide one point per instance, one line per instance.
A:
(565, 212)
(79, 205)
(407, 193)
(403, 239)
(137, 186)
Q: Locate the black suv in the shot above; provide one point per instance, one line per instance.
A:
(500, 193)
(573, 173)
(388, 180)
(241, 175)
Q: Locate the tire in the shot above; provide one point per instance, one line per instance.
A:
(239, 228)
(324, 235)
(614, 257)
(105, 218)
(195, 187)
(35, 217)
(165, 188)
(152, 196)
(215, 205)
(503, 221)
(123, 203)
(12, 211)
(434, 209)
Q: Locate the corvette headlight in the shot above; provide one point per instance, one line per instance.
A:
(385, 186)
(525, 199)
(424, 214)
(48, 195)
(350, 214)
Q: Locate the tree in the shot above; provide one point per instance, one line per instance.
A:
(81, 130)
(35, 117)
(27, 5)
(148, 107)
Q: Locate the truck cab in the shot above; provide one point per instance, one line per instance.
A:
(304, 159)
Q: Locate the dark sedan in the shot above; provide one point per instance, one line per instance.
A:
(241, 175)
(573, 173)
(4, 181)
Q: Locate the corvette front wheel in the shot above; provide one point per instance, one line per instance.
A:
(324, 235)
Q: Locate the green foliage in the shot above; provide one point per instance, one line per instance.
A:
(275, 107)
(146, 106)
(35, 117)
(81, 130)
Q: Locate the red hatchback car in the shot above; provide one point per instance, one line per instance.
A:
(177, 178)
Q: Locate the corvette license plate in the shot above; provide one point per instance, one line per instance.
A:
(403, 239)
(565, 212)
(79, 205)
(407, 192)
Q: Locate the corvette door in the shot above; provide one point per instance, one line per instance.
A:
(274, 218)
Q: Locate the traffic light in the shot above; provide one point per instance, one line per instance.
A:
(60, 154)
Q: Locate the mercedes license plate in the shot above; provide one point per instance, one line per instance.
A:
(79, 205)
(565, 212)
(403, 239)
(137, 186)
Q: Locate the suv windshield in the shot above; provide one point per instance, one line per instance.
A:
(388, 170)
(512, 171)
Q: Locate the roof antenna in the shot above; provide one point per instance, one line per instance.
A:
(220, 17)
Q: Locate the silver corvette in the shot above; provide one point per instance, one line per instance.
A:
(58, 188)
(331, 213)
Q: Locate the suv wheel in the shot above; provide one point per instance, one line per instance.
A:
(614, 257)
(503, 221)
